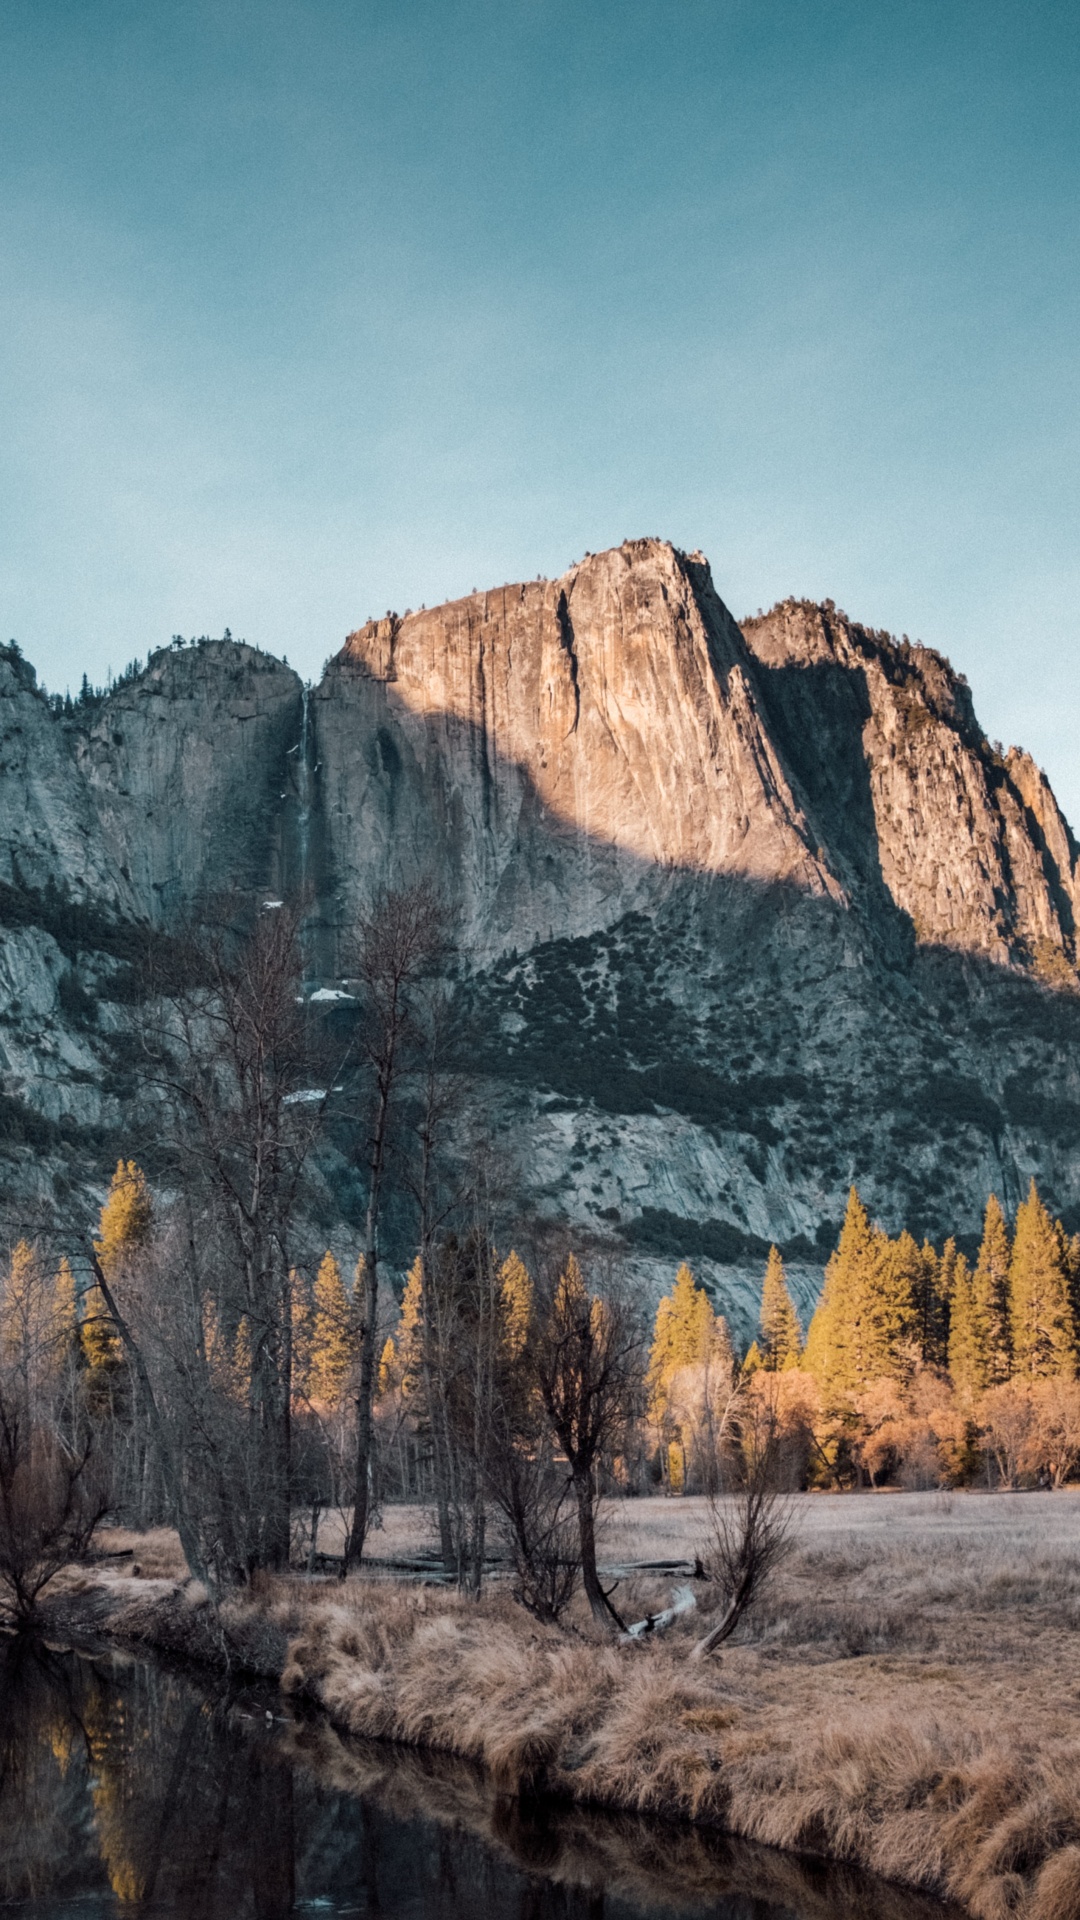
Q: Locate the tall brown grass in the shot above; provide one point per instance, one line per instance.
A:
(986, 1814)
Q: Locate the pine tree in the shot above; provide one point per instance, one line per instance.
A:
(402, 1356)
(126, 1218)
(990, 1297)
(894, 1324)
(967, 1360)
(123, 1232)
(683, 1336)
(931, 1286)
(515, 1305)
(781, 1334)
(864, 1326)
(333, 1341)
(1040, 1309)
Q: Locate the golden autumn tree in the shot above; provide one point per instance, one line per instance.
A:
(515, 1305)
(126, 1218)
(689, 1380)
(1040, 1307)
(124, 1231)
(401, 1362)
(302, 1333)
(21, 1304)
(333, 1336)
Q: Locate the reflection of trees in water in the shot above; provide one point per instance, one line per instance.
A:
(117, 1775)
(45, 1819)
(124, 1777)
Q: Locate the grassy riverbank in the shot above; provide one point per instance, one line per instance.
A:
(907, 1698)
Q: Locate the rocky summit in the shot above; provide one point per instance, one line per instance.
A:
(747, 913)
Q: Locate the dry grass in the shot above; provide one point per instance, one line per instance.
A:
(905, 1700)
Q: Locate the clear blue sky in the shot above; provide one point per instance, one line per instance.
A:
(311, 308)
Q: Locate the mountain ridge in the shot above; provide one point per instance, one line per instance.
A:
(749, 912)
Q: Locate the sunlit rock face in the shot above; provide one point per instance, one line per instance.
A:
(747, 913)
(901, 782)
(564, 749)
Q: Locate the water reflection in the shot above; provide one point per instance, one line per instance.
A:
(127, 1789)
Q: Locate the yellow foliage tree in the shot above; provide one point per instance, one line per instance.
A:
(126, 1218)
(684, 1335)
(515, 1305)
(20, 1309)
(334, 1342)
(689, 1379)
(123, 1231)
(401, 1360)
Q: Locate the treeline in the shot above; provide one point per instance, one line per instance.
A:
(922, 1368)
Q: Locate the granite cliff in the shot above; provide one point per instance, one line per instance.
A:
(748, 912)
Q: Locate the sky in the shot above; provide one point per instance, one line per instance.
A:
(314, 308)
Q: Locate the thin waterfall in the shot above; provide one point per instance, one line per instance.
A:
(303, 791)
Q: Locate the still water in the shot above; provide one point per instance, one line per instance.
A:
(128, 1789)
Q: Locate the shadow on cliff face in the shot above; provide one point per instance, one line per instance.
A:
(817, 713)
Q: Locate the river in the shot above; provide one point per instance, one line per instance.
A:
(130, 1789)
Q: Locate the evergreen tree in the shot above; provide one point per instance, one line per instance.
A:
(333, 1335)
(863, 1329)
(515, 1305)
(931, 1285)
(1040, 1308)
(781, 1334)
(124, 1229)
(911, 1320)
(990, 1297)
(967, 1368)
(126, 1218)
(684, 1334)
(303, 1333)
(402, 1356)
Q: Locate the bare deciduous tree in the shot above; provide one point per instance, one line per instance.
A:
(589, 1372)
(749, 1528)
(51, 1499)
(532, 1496)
